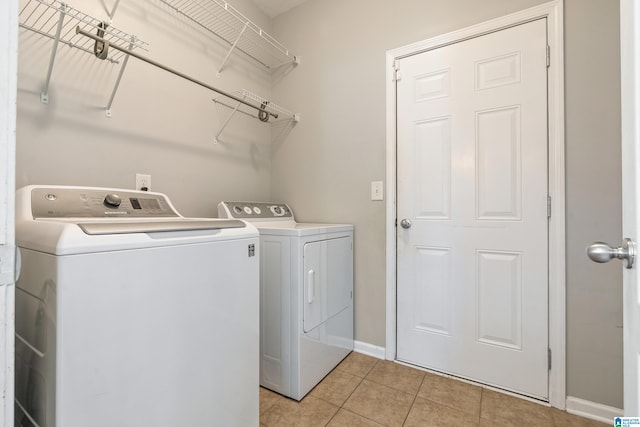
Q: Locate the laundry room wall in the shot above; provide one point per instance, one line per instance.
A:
(594, 199)
(325, 165)
(161, 125)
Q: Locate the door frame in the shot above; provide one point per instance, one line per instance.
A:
(553, 11)
(630, 101)
(8, 94)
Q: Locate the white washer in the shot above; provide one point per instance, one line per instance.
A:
(128, 314)
(306, 295)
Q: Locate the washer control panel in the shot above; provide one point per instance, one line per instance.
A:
(254, 210)
(60, 202)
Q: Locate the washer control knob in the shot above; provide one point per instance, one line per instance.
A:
(112, 200)
(237, 210)
(277, 210)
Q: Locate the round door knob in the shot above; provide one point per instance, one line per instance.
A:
(602, 252)
(405, 223)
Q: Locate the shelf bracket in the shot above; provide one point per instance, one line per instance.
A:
(120, 74)
(113, 11)
(217, 138)
(233, 46)
(44, 95)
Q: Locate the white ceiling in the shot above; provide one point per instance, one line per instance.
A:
(273, 8)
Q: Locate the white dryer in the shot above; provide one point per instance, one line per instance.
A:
(128, 314)
(306, 295)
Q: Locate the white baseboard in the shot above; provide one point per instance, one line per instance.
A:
(369, 349)
(592, 410)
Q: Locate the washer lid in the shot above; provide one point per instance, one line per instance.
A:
(62, 220)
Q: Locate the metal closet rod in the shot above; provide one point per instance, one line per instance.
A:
(261, 110)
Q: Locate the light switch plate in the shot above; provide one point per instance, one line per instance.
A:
(377, 192)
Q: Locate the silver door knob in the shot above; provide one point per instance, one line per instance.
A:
(405, 223)
(602, 252)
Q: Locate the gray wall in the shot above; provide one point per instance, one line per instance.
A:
(325, 165)
(594, 291)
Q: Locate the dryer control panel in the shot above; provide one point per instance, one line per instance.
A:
(254, 210)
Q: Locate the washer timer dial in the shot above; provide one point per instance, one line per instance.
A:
(112, 200)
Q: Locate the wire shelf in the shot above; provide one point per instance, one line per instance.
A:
(266, 105)
(267, 109)
(58, 21)
(225, 22)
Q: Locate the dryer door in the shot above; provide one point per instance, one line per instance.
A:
(328, 280)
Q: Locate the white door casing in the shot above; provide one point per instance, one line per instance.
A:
(552, 11)
(8, 92)
(630, 98)
(472, 179)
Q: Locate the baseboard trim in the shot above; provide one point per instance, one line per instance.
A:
(369, 349)
(592, 410)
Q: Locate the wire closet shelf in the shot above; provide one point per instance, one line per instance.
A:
(266, 108)
(225, 22)
(58, 21)
(64, 24)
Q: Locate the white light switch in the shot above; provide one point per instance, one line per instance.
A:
(377, 192)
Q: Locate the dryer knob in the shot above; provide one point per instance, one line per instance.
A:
(112, 200)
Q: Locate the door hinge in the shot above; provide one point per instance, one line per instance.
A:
(548, 56)
(548, 206)
(397, 75)
(549, 358)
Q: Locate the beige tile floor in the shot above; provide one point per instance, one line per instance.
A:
(363, 391)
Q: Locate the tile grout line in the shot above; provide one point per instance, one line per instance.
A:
(414, 399)
(350, 394)
(481, 399)
(359, 384)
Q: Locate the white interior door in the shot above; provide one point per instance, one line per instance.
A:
(630, 85)
(472, 241)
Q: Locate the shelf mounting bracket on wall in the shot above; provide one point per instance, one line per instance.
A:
(119, 78)
(44, 95)
(217, 137)
(113, 10)
(233, 46)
